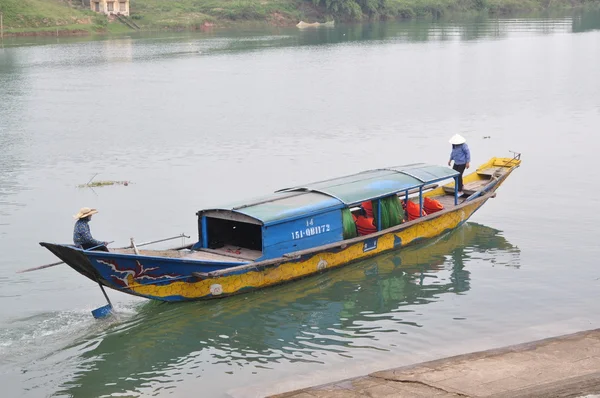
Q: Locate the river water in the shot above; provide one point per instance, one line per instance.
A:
(198, 119)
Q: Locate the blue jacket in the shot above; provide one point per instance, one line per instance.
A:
(82, 234)
(461, 154)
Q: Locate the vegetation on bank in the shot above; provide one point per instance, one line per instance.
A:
(71, 17)
(382, 9)
(196, 13)
(48, 15)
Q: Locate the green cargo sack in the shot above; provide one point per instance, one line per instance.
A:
(348, 224)
(391, 212)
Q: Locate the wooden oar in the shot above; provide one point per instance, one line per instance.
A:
(41, 267)
(127, 247)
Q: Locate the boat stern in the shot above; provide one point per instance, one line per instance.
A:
(76, 259)
(160, 278)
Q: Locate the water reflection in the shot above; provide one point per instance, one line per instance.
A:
(476, 28)
(159, 46)
(586, 21)
(120, 50)
(362, 306)
(13, 90)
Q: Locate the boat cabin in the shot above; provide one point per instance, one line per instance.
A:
(316, 214)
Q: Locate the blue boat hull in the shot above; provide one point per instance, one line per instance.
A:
(117, 271)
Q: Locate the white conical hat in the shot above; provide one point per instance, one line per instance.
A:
(457, 139)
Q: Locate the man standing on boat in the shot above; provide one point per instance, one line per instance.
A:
(81, 233)
(461, 156)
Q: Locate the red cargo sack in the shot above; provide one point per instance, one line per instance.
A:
(432, 205)
(413, 210)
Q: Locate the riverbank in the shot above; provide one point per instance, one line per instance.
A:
(60, 17)
(565, 366)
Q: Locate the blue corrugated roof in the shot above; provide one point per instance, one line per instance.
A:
(378, 183)
(282, 207)
(340, 192)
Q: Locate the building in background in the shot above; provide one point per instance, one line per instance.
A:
(110, 7)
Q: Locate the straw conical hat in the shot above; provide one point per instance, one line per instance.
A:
(84, 212)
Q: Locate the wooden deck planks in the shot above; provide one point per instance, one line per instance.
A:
(185, 254)
(212, 256)
(469, 188)
(235, 252)
(446, 200)
(491, 171)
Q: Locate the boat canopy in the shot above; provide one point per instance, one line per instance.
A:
(281, 206)
(374, 184)
(336, 193)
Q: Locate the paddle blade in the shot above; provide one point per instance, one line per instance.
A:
(102, 312)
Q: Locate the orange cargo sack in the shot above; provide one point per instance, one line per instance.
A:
(413, 210)
(432, 205)
(368, 206)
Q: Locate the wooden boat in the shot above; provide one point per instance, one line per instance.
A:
(292, 233)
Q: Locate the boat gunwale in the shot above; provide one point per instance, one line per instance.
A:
(185, 260)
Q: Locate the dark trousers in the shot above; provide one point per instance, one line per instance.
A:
(461, 169)
(87, 246)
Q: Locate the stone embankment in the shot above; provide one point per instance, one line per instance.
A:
(566, 366)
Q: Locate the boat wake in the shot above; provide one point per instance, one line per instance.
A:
(31, 338)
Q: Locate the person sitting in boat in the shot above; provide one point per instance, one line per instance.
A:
(365, 225)
(82, 236)
(461, 155)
